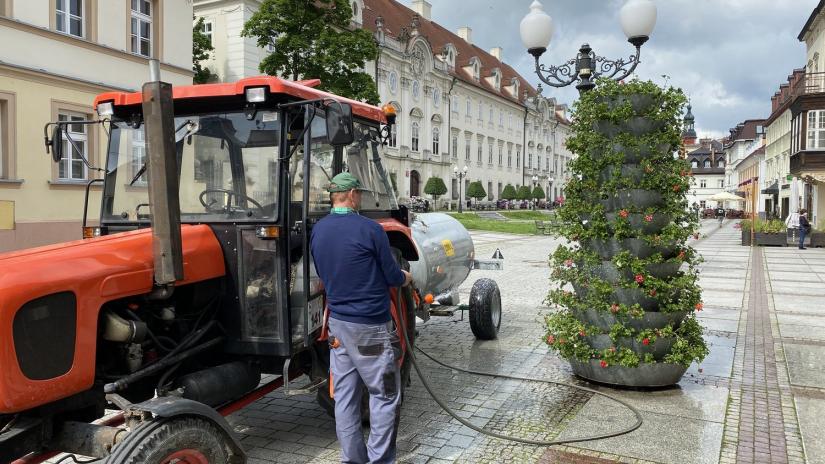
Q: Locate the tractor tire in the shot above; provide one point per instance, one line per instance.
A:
(322, 396)
(485, 309)
(182, 440)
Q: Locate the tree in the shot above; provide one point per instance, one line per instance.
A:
(476, 190)
(538, 193)
(435, 187)
(201, 46)
(314, 40)
(523, 193)
(509, 193)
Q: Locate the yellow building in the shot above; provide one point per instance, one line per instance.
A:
(56, 56)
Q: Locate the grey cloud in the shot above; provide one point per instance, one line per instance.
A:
(730, 56)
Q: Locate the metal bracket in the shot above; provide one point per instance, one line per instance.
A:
(489, 264)
(307, 389)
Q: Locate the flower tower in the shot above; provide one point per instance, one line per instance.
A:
(626, 293)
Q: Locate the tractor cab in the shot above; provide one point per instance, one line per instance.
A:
(253, 160)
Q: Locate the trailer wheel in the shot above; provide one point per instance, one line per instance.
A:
(177, 440)
(485, 309)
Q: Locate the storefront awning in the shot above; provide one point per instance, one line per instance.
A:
(772, 189)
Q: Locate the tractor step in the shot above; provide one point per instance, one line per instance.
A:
(307, 389)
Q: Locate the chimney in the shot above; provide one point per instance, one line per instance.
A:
(466, 33)
(497, 52)
(422, 7)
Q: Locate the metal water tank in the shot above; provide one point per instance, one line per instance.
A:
(445, 251)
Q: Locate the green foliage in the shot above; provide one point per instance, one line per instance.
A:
(509, 192)
(471, 221)
(476, 190)
(526, 215)
(538, 193)
(200, 52)
(774, 226)
(626, 185)
(314, 40)
(523, 193)
(435, 187)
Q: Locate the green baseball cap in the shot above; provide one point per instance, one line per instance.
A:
(344, 182)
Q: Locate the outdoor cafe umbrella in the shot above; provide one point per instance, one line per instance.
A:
(726, 196)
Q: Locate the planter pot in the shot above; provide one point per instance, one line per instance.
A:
(633, 155)
(746, 238)
(638, 222)
(632, 198)
(631, 172)
(606, 128)
(644, 375)
(763, 239)
(642, 103)
(604, 320)
(608, 271)
(632, 296)
(639, 126)
(659, 349)
(607, 249)
(817, 239)
(663, 270)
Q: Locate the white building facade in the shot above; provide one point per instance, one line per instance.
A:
(457, 105)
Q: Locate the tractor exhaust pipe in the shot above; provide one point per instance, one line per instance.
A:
(158, 116)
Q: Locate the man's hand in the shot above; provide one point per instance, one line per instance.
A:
(407, 278)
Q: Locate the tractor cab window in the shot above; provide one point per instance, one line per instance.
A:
(227, 165)
(363, 162)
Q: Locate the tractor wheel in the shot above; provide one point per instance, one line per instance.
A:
(328, 403)
(485, 309)
(177, 440)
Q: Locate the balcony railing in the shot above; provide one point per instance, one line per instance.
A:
(808, 84)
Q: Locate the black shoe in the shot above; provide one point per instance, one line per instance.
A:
(802, 248)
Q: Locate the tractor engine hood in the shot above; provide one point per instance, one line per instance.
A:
(50, 298)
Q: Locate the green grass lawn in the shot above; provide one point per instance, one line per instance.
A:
(472, 222)
(526, 215)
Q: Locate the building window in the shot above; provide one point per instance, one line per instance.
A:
(703, 204)
(416, 89)
(529, 161)
(720, 164)
(7, 132)
(393, 82)
(480, 112)
(71, 166)
(707, 164)
(490, 154)
(138, 158)
(694, 164)
(436, 136)
(510, 120)
(500, 118)
(454, 104)
(454, 151)
(436, 97)
(415, 135)
(469, 108)
(207, 30)
(355, 9)
(479, 153)
(538, 162)
(703, 183)
(518, 159)
(500, 155)
(142, 27)
(491, 115)
(69, 17)
(393, 142)
(816, 130)
(721, 183)
(467, 150)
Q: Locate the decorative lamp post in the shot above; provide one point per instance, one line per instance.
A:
(460, 174)
(535, 180)
(637, 17)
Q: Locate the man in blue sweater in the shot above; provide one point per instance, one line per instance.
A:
(353, 258)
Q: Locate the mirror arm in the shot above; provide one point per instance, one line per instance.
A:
(301, 135)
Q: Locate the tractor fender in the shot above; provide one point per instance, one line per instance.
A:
(400, 236)
(171, 406)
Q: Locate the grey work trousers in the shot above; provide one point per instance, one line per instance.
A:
(365, 356)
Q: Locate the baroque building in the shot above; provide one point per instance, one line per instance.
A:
(457, 104)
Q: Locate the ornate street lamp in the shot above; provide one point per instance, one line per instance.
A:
(638, 18)
(460, 174)
(535, 180)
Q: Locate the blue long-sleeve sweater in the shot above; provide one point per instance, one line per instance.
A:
(353, 258)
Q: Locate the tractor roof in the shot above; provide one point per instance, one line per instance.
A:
(302, 90)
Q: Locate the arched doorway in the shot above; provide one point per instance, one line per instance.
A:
(415, 181)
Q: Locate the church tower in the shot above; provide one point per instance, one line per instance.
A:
(688, 130)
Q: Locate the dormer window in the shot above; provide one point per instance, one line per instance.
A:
(475, 64)
(497, 79)
(450, 55)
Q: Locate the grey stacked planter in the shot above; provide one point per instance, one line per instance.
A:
(645, 374)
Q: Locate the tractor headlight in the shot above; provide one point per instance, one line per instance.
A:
(255, 94)
(105, 109)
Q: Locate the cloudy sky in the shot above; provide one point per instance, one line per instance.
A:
(730, 56)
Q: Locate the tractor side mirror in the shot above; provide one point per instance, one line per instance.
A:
(340, 130)
(56, 144)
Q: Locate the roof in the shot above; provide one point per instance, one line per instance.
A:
(746, 130)
(397, 16)
(810, 21)
(303, 90)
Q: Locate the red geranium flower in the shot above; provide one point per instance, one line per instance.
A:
(568, 262)
(648, 217)
(551, 339)
(699, 306)
(603, 363)
(581, 333)
(646, 342)
(614, 308)
(640, 279)
(681, 255)
(623, 213)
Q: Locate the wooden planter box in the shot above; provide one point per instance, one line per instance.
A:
(817, 239)
(746, 238)
(763, 239)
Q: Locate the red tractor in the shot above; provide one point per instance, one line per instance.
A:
(199, 278)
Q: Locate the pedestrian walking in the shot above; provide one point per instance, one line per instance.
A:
(353, 258)
(804, 227)
(720, 214)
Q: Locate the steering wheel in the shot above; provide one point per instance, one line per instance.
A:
(228, 207)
